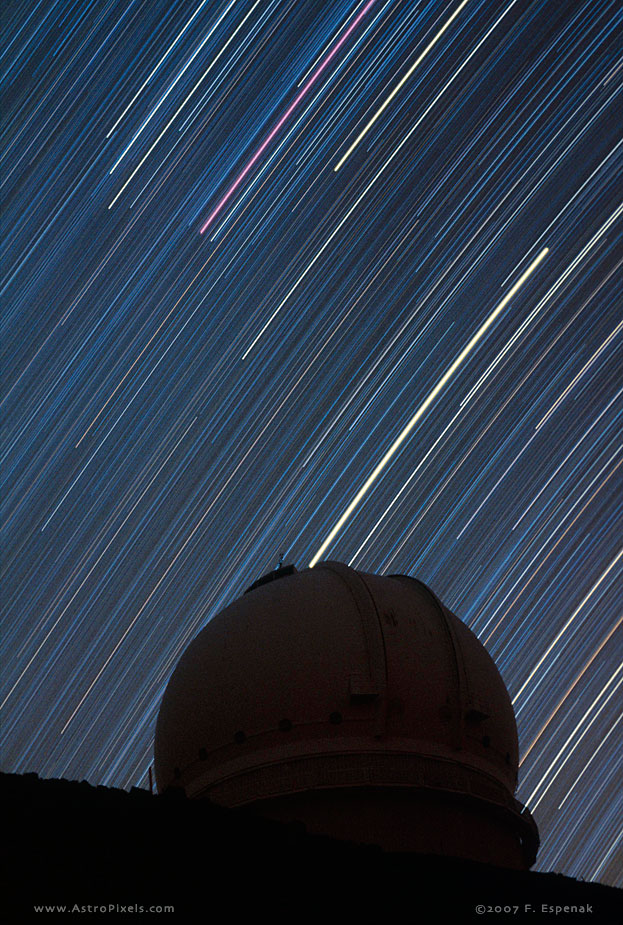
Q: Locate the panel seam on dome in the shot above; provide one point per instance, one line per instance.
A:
(373, 636)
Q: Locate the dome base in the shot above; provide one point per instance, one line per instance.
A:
(407, 820)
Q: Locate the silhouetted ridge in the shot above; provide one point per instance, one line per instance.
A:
(73, 843)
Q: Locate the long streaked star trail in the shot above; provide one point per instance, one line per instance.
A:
(397, 343)
(284, 118)
(421, 411)
(399, 86)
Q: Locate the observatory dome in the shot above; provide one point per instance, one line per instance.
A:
(356, 703)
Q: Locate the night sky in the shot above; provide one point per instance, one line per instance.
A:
(330, 280)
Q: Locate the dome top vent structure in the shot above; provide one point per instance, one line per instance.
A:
(356, 703)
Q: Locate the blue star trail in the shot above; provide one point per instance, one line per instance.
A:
(333, 280)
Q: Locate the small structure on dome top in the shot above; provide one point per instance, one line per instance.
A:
(357, 704)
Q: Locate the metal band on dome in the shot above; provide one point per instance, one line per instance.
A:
(373, 634)
(458, 663)
(417, 774)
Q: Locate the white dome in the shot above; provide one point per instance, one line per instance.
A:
(330, 686)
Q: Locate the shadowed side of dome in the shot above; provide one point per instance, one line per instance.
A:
(357, 703)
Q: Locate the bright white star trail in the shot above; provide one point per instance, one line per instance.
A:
(399, 86)
(397, 342)
(430, 398)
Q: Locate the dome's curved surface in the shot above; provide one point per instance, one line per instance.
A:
(330, 688)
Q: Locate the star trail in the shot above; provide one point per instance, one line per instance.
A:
(334, 280)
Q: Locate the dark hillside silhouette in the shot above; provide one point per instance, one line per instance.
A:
(72, 843)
